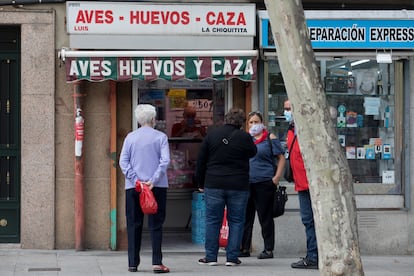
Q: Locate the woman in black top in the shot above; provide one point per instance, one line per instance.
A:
(222, 173)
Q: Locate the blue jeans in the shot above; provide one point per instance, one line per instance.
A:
(216, 200)
(307, 220)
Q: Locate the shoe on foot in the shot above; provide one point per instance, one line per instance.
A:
(265, 255)
(204, 261)
(244, 253)
(132, 269)
(233, 263)
(305, 263)
(160, 269)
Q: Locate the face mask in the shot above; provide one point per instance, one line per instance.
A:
(288, 115)
(190, 122)
(256, 129)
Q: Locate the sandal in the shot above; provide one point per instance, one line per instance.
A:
(160, 269)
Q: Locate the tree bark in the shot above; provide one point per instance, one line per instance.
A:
(329, 176)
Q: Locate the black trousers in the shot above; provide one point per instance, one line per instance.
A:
(260, 200)
(135, 220)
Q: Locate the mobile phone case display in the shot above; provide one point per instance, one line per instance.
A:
(364, 123)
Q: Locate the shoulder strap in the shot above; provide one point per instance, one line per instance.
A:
(291, 145)
(227, 140)
(270, 143)
(271, 150)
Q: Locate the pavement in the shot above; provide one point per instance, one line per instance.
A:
(181, 261)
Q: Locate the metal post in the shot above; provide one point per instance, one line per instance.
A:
(114, 164)
(79, 169)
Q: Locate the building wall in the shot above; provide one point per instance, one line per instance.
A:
(37, 124)
(47, 171)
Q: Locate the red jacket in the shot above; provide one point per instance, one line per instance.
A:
(296, 162)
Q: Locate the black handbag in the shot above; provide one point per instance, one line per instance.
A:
(279, 201)
(280, 195)
(288, 174)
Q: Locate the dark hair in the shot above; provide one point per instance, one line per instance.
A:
(257, 113)
(235, 116)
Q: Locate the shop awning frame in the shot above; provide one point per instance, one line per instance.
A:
(66, 52)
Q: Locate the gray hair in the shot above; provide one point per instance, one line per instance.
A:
(145, 114)
(235, 116)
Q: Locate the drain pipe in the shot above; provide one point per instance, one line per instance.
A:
(79, 168)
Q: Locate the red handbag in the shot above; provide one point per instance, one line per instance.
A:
(147, 201)
(224, 231)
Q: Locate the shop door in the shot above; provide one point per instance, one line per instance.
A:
(9, 135)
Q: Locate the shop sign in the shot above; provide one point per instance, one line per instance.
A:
(108, 18)
(352, 34)
(168, 68)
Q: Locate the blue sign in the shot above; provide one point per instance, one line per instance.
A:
(352, 34)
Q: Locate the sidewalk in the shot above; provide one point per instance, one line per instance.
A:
(15, 262)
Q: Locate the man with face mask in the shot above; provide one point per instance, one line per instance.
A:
(302, 187)
(189, 127)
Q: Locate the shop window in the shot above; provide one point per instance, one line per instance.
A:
(361, 94)
(185, 112)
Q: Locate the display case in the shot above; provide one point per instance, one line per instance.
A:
(182, 166)
(364, 107)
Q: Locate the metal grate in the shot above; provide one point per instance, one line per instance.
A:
(37, 269)
(367, 221)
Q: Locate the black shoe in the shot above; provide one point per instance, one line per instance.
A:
(244, 253)
(203, 261)
(233, 263)
(265, 255)
(305, 263)
(132, 269)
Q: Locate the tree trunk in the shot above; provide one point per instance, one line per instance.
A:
(330, 179)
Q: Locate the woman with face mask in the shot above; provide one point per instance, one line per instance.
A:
(263, 178)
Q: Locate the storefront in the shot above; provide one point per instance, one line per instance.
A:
(364, 59)
(196, 57)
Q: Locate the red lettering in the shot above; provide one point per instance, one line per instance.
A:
(185, 18)
(145, 20)
(220, 19)
(80, 28)
(99, 16)
(241, 20)
(94, 16)
(164, 17)
(83, 17)
(175, 18)
(155, 17)
(109, 18)
(159, 17)
(210, 18)
(230, 18)
(133, 17)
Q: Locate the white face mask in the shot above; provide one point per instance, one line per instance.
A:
(288, 115)
(256, 129)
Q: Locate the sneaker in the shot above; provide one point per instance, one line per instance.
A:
(265, 255)
(244, 253)
(233, 263)
(305, 263)
(203, 261)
